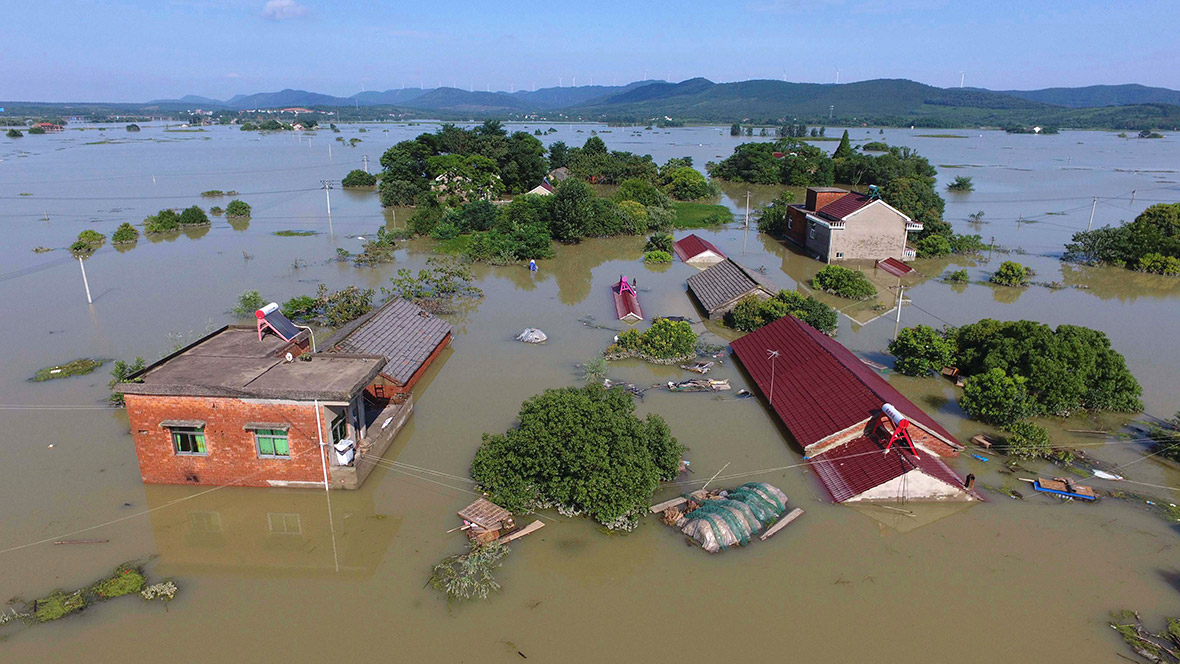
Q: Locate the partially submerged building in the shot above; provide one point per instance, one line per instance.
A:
(697, 251)
(834, 407)
(835, 224)
(719, 288)
(253, 407)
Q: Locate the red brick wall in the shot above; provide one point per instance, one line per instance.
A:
(426, 365)
(818, 199)
(797, 233)
(232, 455)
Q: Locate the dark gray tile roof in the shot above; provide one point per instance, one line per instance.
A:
(401, 332)
(725, 282)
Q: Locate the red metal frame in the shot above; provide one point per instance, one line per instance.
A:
(900, 433)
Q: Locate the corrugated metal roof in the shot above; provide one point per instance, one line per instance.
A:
(402, 333)
(844, 206)
(861, 464)
(894, 267)
(725, 282)
(692, 246)
(820, 387)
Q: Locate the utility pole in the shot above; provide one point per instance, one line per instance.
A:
(365, 158)
(900, 298)
(991, 247)
(831, 110)
(84, 282)
(1132, 197)
(1092, 208)
(747, 232)
(328, 196)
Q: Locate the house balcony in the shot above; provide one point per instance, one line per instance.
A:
(383, 421)
(912, 226)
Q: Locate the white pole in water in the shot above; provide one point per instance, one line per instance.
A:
(365, 159)
(319, 428)
(1092, 208)
(84, 282)
(900, 298)
(329, 151)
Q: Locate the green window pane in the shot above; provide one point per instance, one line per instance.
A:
(272, 442)
(280, 443)
(200, 440)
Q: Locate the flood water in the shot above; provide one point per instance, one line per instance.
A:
(263, 575)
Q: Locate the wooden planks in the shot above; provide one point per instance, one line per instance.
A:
(531, 528)
(675, 502)
(781, 523)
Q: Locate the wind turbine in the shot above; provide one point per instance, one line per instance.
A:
(837, 76)
(962, 78)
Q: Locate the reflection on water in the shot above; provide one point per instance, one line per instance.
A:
(281, 532)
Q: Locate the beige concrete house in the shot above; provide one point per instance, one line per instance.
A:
(839, 225)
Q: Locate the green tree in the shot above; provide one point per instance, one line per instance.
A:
(659, 242)
(995, 397)
(921, 351)
(582, 449)
(164, 221)
(915, 198)
(87, 243)
(843, 150)
(125, 234)
(642, 191)
(664, 340)
(122, 373)
(839, 280)
(14, 133)
(961, 184)
(933, 246)
(753, 312)
(657, 257)
(957, 277)
(572, 212)
(772, 219)
(687, 184)
(735, 129)
(248, 302)
(1026, 440)
(359, 178)
(1159, 264)
(558, 155)
(193, 216)
(1010, 273)
(237, 208)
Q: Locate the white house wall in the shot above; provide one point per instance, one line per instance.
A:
(914, 485)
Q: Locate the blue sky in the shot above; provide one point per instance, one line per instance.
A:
(136, 50)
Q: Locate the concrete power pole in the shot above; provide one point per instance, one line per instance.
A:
(1092, 208)
(365, 159)
(328, 196)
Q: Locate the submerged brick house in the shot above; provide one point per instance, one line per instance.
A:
(836, 224)
(250, 406)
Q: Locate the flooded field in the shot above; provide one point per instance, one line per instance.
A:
(261, 570)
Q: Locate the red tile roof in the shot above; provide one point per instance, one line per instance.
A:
(894, 267)
(626, 304)
(844, 206)
(861, 464)
(693, 246)
(820, 387)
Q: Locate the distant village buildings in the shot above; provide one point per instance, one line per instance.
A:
(837, 225)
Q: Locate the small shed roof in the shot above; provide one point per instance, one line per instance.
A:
(484, 513)
(894, 267)
(400, 331)
(855, 467)
(559, 174)
(692, 246)
(726, 281)
(820, 387)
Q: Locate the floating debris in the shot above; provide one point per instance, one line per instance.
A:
(718, 520)
(698, 367)
(532, 335)
(78, 367)
(699, 385)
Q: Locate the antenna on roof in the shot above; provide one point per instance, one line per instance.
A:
(772, 354)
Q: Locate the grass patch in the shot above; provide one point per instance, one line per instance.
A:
(940, 136)
(58, 605)
(41, 250)
(690, 214)
(125, 581)
(457, 245)
(79, 367)
(291, 233)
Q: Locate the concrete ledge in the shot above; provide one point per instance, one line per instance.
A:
(352, 477)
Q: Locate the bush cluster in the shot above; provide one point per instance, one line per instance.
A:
(753, 312)
(664, 340)
(841, 281)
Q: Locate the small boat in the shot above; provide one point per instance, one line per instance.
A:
(1062, 486)
(698, 367)
(626, 302)
(699, 385)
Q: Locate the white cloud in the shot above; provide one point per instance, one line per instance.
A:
(279, 10)
(233, 74)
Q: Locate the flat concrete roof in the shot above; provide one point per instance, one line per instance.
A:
(232, 362)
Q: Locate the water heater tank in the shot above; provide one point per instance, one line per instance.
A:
(268, 309)
(894, 414)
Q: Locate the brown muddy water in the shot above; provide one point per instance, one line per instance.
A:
(263, 576)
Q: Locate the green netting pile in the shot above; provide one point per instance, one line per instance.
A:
(730, 520)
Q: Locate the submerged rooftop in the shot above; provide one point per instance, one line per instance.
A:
(232, 362)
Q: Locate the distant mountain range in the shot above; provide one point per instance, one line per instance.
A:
(881, 101)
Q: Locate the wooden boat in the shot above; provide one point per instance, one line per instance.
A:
(1060, 486)
(626, 302)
